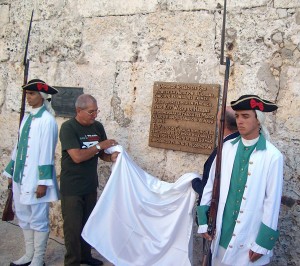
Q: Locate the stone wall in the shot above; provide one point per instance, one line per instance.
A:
(116, 50)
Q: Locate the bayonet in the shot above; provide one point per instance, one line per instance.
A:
(26, 69)
(222, 62)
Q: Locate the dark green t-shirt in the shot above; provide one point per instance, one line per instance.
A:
(79, 178)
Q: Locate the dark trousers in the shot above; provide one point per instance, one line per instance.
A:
(75, 212)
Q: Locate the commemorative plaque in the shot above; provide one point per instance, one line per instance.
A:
(63, 102)
(183, 116)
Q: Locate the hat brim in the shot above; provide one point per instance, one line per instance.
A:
(40, 87)
(244, 103)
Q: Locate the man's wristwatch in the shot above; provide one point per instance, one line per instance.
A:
(98, 147)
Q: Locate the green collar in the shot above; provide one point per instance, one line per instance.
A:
(261, 143)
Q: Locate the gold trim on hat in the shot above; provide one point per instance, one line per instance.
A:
(32, 83)
(253, 97)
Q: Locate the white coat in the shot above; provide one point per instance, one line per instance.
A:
(260, 204)
(41, 150)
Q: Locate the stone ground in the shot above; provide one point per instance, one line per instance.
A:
(12, 247)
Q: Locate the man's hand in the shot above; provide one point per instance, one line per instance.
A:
(206, 236)
(113, 156)
(41, 191)
(9, 182)
(105, 144)
(253, 256)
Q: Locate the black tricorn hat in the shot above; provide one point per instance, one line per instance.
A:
(253, 102)
(40, 86)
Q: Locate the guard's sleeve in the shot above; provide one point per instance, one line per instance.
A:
(9, 169)
(268, 233)
(49, 133)
(203, 208)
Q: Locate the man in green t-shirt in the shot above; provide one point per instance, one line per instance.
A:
(83, 141)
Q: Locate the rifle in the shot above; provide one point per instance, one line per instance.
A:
(8, 213)
(212, 216)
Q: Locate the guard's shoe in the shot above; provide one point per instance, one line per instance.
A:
(24, 264)
(92, 261)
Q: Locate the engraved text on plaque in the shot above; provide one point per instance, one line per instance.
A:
(183, 116)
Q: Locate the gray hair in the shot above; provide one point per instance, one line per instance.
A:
(263, 129)
(83, 100)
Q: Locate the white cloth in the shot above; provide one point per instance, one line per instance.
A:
(140, 220)
(260, 204)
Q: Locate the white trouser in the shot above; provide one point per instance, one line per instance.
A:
(34, 217)
(217, 261)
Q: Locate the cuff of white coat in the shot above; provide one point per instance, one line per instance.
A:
(45, 172)
(7, 174)
(267, 236)
(46, 182)
(9, 169)
(260, 250)
(202, 211)
(202, 229)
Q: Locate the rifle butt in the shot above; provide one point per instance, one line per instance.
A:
(206, 253)
(205, 260)
(8, 213)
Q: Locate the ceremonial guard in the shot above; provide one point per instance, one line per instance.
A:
(250, 190)
(32, 174)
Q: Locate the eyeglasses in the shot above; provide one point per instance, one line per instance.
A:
(95, 112)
